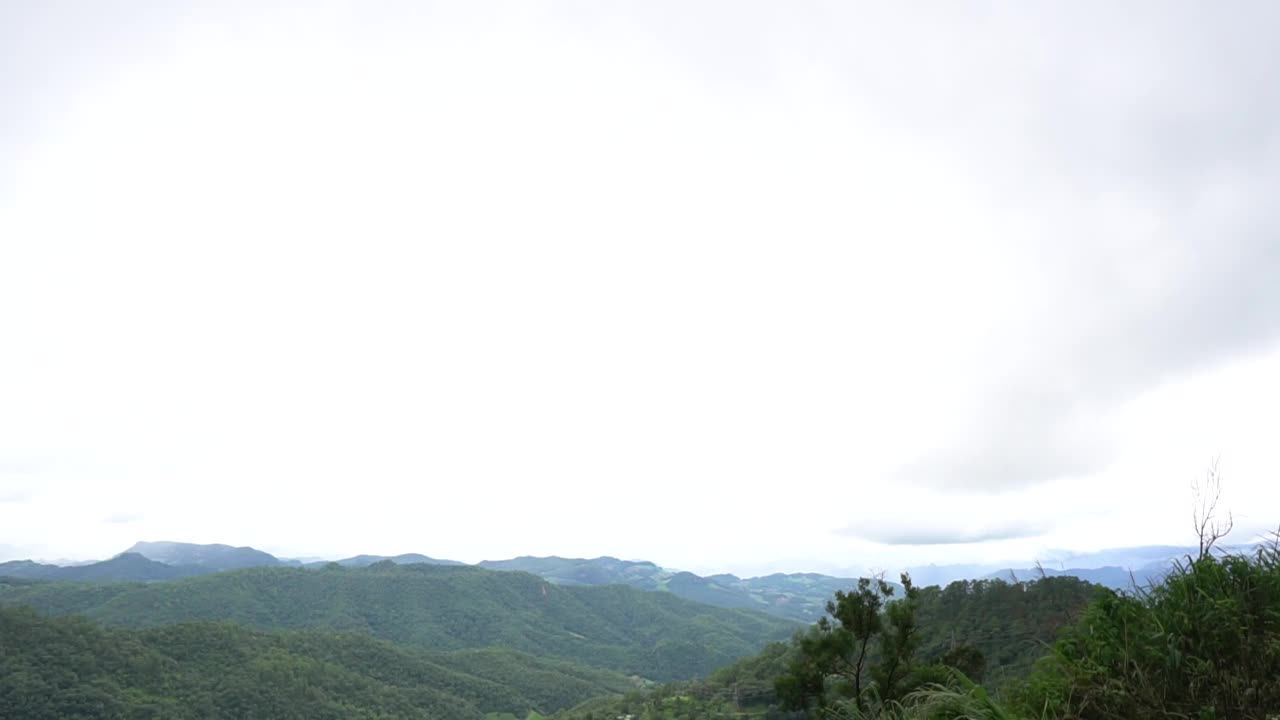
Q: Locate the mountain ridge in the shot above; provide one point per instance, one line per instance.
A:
(794, 596)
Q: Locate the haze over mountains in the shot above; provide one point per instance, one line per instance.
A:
(794, 596)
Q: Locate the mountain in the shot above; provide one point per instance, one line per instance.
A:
(203, 670)
(654, 635)
(406, 559)
(1108, 567)
(941, 575)
(1004, 628)
(29, 570)
(796, 596)
(579, 571)
(1116, 578)
(211, 557)
(124, 567)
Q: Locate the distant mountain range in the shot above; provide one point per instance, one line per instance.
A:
(212, 557)
(125, 566)
(1116, 578)
(794, 596)
(799, 596)
(406, 559)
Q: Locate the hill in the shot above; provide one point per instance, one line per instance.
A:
(1009, 625)
(795, 596)
(71, 668)
(654, 635)
(213, 558)
(406, 559)
(124, 567)
(1114, 577)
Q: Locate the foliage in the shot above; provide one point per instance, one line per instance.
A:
(994, 630)
(1205, 644)
(127, 566)
(71, 668)
(652, 635)
(796, 596)
(956, 630)
(833, 661)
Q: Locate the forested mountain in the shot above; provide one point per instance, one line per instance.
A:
(127, 567)
(1202, 643)
(1009, 624)
(653, 635)
(406, 559)
(580, 571)
(60, 668)
(209, 557)
(1114, 577)
(797, 596)
(1109, 567)
(460, 642)
(996, 630)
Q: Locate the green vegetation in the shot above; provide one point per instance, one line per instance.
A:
(653, 635)
(127, 566)
(795, 596)
(985, 628)
(1204, 645)
(1008, 626)
(71, 668)
(419, 641)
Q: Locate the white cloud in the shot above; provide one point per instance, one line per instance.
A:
(700, 286)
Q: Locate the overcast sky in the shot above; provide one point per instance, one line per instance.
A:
(730, 286)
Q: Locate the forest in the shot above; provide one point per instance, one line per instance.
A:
(1203, 644)
(421, 641)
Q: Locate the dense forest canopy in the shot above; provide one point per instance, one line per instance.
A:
(390, 641)
(650, 634)
(1203, 644)
(59, 668)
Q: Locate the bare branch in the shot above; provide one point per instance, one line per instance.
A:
(1205, 495)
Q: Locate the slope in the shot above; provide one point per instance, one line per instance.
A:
(795, 596)
(71, 668)
(125, 567)
(1004, 627)
(211, 557)
(653, 635)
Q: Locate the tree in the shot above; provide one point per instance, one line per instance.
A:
(837, 653)
(1204, 510)
(898, 641)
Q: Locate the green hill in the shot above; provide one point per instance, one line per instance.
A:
(211, 558)
(1005, 626)
(70, 668)
(124, 567)
(795, 596)
(654, 635)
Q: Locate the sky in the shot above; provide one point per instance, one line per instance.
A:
(728, 286)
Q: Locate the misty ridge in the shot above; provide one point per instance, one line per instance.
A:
(797, 596)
